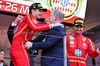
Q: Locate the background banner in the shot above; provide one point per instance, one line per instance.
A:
(72, 8)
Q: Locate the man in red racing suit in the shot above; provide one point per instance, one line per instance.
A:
(26, 30)
(79, 46)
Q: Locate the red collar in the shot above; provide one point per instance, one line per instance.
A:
(35, 18)
(76, 34)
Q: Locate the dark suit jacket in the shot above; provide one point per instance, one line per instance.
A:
(52, 48)
(10, 33)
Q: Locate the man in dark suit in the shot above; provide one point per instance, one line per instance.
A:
(52, 47)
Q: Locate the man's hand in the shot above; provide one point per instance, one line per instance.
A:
(47, 21)
(19, 18)
(98, 49)
(58, 25)
(28, 44)
(55, 25)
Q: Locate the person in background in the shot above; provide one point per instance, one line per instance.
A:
(52, 47)
(79, 46)
(2, 58)
(25, 31)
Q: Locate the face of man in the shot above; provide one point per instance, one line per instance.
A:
(78, 29)
(37, 13)
(52, 17)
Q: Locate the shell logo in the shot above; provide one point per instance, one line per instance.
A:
(69, 7)
(72, 42)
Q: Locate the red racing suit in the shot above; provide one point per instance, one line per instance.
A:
(78, 47)
(26, 30)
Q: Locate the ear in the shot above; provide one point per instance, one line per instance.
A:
(32, 11)
(55, 17)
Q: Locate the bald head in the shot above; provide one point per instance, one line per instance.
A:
(59, 14)
(56, 16)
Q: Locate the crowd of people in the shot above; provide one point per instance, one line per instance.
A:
(53, 31)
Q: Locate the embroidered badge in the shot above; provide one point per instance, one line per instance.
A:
(39, 5)
(78, 52)
(71, 42)
(71, 38)
(84, 46)
(72, 46)
(84, 39)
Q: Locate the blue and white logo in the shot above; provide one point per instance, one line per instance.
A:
(64, 3)
(71, 38)
(78, 52)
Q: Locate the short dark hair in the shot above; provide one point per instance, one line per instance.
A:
(1, 50)
(30, 10)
